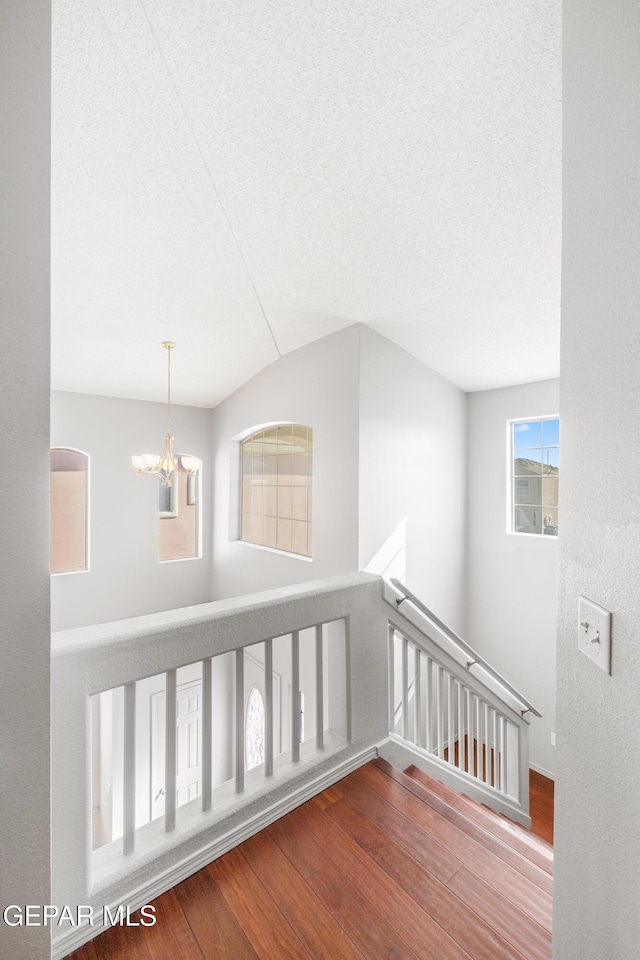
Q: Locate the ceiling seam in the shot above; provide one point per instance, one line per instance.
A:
(160, 139)
(210, 178)
(189, 199)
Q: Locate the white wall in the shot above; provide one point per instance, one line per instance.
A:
(597, 837)
(316, 385)
(412, 476)
(125, 577)
(389, 468)
(25, 821)
(512, 578)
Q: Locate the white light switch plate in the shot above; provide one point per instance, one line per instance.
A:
(594, 633)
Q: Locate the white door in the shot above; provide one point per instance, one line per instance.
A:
(188, 746)
(189, 735)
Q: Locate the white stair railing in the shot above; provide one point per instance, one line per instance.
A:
(468, 732)
(386, 680)
(303, 649)
(121, 678)
(189, 743)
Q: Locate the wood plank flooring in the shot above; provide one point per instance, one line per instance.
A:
(381, 866)
(541, 797)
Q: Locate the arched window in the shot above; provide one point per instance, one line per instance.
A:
(69, 510)
(276, 488)
(254, 729)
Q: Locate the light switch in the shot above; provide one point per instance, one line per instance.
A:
(594, 633)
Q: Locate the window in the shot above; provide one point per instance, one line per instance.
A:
(69, 510)
(179, 518)
(534, 476)
(254, 735)
(276, 488)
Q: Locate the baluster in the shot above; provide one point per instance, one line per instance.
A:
(494, 748)
(129, 772)
(405, 688)
(295, 696)
(478, 741)
(319, 689)
(469, 742)
(207, 731)
(171, 751)
(268, 708)
(240, 721)
(487, 739)
(461, 697)
(450, 712)
(429, 704)
(392, 679)
(485, 742)
(439, 709)
(506, 757)
(417, 700)
(501, 778)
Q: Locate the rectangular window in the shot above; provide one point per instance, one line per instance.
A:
(179, 518)
(534, 473)
(69, 510)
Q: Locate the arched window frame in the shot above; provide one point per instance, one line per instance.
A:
(255, 689)
(87, 526)
(275, 489)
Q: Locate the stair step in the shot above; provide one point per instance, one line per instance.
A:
(488, 835)
(535, 848)
(407, 838)
(498, 868)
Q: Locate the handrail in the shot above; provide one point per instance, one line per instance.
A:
(463, 646)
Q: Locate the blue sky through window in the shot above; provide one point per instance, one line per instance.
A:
(527, 434)
(536, 433)
(550, 432)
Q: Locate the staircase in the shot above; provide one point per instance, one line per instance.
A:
(504, 880)
(391, 864)
(451, 713)
(383, 864)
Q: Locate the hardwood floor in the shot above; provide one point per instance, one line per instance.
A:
(541, 796)
(381, 865)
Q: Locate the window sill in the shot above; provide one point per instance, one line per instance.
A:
(533, 536)
(279, 553)
(179, 559)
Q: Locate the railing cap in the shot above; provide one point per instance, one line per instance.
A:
(102, 635)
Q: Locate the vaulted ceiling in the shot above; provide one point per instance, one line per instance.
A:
(246, 176)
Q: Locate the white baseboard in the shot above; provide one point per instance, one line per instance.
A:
(401, 754)
(542, 771)
(73, 938)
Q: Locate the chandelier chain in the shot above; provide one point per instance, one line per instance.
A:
(168, 389)
(167, 466)
(168, 345)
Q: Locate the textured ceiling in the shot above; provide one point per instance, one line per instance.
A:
(246, 176)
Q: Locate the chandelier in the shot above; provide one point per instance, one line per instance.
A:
(168, 465)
